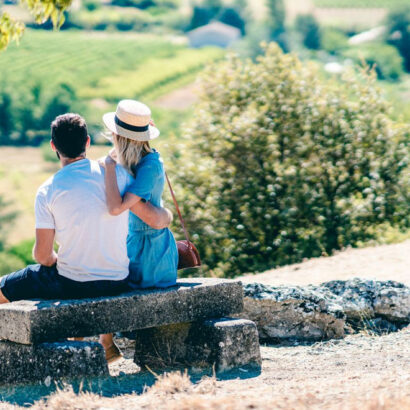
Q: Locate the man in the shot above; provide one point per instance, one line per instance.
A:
(71, 208)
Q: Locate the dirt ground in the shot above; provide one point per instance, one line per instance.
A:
(362, 371)
(359, 372)
(386, 262)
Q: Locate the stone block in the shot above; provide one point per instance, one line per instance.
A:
(47, 362)
(31, 322)
(293, 313)
(226, 343)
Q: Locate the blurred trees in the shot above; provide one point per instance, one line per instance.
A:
(6, 217)
(309, 28)
(276, 22)
(385, 59)
(398, 23)
(205, 12)
(28, 122)
(280, 164)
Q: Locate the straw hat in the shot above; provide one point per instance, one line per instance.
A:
(131, 120)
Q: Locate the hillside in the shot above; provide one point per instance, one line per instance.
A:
(385, 262)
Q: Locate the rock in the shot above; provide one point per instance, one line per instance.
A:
(355, 297)
(226, 343)
(48, 362)
(393, 304)
(379, 326)
(292, 312)
(326, 311)
(367, 299)
(192, 299)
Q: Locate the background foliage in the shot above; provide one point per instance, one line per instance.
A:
(135, 49)
(284, 165)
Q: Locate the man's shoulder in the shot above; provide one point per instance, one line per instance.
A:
(45, 187)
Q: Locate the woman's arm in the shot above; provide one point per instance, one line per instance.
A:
(116, 204)
(155, 217)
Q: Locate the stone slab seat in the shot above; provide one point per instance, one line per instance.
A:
(193, 299)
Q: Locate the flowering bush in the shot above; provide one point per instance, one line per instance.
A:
(282, 164)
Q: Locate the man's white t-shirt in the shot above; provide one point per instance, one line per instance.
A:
(92, 243)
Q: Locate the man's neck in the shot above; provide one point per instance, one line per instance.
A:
(67, 161)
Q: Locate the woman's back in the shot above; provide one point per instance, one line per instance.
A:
(153, 253)
(149, 185)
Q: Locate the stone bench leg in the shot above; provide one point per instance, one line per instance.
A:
(47, 362)
(226, 342)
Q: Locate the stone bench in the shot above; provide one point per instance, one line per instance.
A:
(188, 321)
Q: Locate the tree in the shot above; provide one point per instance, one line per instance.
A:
(279, 164)
(308, 26)
(398, 23)
(276, 22)
(6, 117)
(232, 16)
(42, 10)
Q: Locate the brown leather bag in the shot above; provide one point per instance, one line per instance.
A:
(187, 252)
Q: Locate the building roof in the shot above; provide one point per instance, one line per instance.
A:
(217, 27)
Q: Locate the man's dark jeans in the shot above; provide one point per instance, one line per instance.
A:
(42, 282)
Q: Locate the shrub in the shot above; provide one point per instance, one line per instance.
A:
(103, 19)
(6, 117)
(398, 24)
(6, 219)
(386, 59)
(141, 4)
(309, 28)
(283, 165)
(9, 263)
(92, 5)
(334, 41)
(23, 251)
(47, 153)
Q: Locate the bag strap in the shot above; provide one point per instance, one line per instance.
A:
(178, 211)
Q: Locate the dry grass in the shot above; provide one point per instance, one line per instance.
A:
(174, 391)
(359, 373)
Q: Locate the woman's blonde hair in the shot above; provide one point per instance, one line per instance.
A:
(130, 152)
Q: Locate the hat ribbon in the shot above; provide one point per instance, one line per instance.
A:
(129, 127)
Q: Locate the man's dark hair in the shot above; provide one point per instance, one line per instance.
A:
(69, 134)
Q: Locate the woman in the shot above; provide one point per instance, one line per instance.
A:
(153, 253)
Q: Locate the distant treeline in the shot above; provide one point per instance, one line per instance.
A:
(27, 121)
(150, 15)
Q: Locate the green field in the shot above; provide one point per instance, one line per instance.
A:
(102, 68)
(361, 3)
(83, 60)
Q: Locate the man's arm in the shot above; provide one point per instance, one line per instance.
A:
(157, 218)
(43, 251)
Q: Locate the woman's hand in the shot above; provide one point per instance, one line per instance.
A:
(113, 154)
(108, 161)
